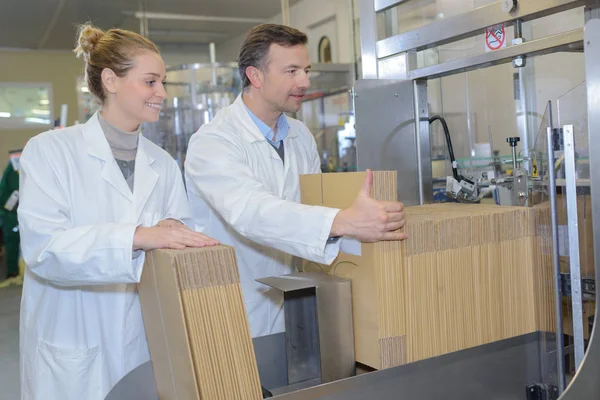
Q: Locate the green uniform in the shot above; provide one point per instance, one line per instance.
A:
(8, 220)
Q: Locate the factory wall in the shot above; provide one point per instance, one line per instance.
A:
(316, 18)
(60, 68)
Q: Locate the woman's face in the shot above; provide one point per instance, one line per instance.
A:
(139, 95)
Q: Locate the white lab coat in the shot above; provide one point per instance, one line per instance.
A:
(81, 324)
(242, 194)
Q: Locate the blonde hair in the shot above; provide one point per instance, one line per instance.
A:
(113, 49)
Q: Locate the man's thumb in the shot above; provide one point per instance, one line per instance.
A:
(367, 185)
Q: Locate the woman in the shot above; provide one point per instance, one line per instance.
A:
(94, 197)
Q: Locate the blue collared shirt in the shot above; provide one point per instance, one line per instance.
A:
(282, 128)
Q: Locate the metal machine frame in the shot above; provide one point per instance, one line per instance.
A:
(394, 60)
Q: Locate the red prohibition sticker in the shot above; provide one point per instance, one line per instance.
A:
(495, 37)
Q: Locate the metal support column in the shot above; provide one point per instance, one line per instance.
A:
(592, 10)
(368, 39)
(285, 12)
(574, 263)
(560, 346)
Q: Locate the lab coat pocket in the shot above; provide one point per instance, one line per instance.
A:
(67, 374)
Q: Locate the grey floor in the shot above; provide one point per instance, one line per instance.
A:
(10, 299)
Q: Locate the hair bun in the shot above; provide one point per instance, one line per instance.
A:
(88, 38)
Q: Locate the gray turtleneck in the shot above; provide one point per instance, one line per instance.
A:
(124, 147)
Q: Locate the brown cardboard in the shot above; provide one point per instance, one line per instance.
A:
(196, 325)
(465, 277)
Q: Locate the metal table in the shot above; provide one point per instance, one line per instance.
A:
(499, 370)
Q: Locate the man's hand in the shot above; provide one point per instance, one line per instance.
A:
(369, 220)
(163, 237)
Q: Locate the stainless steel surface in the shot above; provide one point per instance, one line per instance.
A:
(302, 335)
(546, 45)
(391, 22)
(467, 374)
(382, 5)
(386, 133)
(592, 10)
(395, 67)
(305, 280)
(548, 360)
(574, 262)
(424, 168)
(560, 356)
(271, 360)
(467, 24)
(498, 370)
(138, 384)
(318, 314)
(586, 384)
(518, 27)
(514, 157)
(368, 39)
(336, 330)
(519, 191)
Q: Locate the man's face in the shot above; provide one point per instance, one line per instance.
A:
(285, 77)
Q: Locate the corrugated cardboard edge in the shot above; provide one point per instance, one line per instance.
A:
(219, 273)
(220, 268)
(392, 351)
(166, 331)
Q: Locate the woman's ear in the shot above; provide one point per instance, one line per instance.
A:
(109, 80)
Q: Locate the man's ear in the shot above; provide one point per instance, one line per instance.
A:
(109, 80)
(255, 76)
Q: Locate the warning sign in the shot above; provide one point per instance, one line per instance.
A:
(495, 38)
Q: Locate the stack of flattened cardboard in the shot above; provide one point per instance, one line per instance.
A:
(196, 325)
(466, 275)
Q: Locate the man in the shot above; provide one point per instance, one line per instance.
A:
(242, 172)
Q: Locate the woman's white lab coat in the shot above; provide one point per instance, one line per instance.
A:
(81, 324)
(241, 193)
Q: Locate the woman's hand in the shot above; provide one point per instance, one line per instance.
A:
(170, 223)
(175, 236)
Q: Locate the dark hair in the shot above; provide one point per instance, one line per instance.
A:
(256, 46)
(114, 49)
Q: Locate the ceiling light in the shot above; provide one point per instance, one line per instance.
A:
(179, 34)
(44, 102)
(186, 17)
(38, 121)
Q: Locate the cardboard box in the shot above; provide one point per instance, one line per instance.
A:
(466, 276)
(196, 325)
